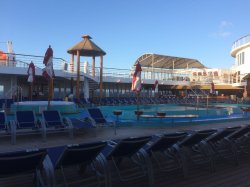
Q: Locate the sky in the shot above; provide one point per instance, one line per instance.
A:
(127, 29)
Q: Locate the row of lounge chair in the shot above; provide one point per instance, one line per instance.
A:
(51, 122)
(26, 123)
(114, 162)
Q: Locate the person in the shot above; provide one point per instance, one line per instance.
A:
(66, 98)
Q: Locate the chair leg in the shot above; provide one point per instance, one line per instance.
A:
(71, 133)
(150, 171)
(13, 132)
(43, 129)
(49, 172)
(104, 165)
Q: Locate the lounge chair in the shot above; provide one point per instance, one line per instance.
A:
(3, 122)
(77, 123)
(29, 164)
(81, 125)
(238, 142)
(53, 122)
(190, 149)
(215, 145)
(97, 117)
(82, 161)
(127, 161)
(161, 153)
(25, 123)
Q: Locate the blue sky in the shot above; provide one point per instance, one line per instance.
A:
(126, 29)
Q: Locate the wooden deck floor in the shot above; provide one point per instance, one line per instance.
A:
(225, 175)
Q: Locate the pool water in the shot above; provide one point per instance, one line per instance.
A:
(216, 110)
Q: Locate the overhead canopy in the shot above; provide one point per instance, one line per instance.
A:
(168, 62)
(208, 87)
(86, 48)
(246, 77)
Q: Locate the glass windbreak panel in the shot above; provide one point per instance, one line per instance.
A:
(1, 90)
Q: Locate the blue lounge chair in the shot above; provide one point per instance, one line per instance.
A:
(80, 123)
(3, 122)
(127, 161)
(28, 162)
(26, 120)
(25, 123)
(87, 160)
(53, 122)
(97, 116)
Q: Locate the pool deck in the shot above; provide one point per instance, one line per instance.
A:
(104, 133)
(226, 175)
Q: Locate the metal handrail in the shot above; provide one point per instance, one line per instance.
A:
(23, 60)
(18, 90)
(242, 41)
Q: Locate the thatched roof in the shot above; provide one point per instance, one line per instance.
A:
(167, 62)
(86, 48)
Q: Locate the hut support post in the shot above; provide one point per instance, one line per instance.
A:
(101, 64)
(72, 70)
(93, 66)
(78, 77)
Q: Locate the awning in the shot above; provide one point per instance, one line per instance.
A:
(168, 62)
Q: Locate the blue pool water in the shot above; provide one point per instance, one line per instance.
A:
(215, 110)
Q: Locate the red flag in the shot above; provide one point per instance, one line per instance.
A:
(156, 85)
(212, 88)
(31, 72)
(136, 81)
(48, 71)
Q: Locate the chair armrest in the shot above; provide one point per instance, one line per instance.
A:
(49, 171)
(112, 143)
(67, 121)
(12, 124)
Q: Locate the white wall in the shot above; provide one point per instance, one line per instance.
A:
(243, 68)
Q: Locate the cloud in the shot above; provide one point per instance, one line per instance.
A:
(223, 30)
(225, 24)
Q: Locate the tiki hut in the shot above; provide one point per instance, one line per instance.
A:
(86, 48)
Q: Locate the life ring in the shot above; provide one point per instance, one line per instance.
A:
(3, 56)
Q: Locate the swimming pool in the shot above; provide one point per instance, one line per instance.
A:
(213, 111)
(39, 106)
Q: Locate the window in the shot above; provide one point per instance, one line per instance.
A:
(240, 58)
(243, 58)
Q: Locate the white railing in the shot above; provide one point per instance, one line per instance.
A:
(16, 91)
(22, 60)
(242, 41)
(222, 77)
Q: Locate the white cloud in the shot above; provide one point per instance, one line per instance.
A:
(223, 30)
(225, 24)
